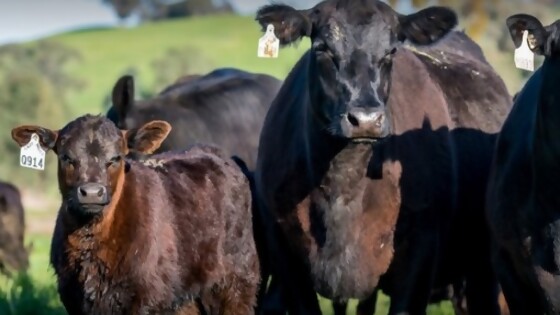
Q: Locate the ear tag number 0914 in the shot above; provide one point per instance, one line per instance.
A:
(32, 154)
(524, 56)
(269, 44)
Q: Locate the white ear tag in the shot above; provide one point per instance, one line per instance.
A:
(524, 56)
(269, 44)
(32, 154)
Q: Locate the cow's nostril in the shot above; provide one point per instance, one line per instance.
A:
(82, 191)
(100, 192)
(352, 120)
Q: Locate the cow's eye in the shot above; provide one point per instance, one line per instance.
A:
(114, 161)
(320, 47)
(67, 160)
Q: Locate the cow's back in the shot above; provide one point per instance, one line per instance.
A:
(476, 95)
(208, 193)
(227, 111)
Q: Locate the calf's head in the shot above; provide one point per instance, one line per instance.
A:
(91, 164)
(352, 47)
(542, 40)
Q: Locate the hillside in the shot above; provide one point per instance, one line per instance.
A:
(222, 41)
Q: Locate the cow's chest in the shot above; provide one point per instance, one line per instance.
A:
(101, 290)
(349, 221)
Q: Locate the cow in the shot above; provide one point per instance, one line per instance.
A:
(168, 235)
(522, 197)
(374, 156)
(13, 253)
(225, 107)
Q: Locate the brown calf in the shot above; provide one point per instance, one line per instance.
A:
(136, 239)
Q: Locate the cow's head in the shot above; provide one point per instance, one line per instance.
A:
(352, 47)
(542, 40)
(91, 164)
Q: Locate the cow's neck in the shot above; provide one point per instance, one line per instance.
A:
(106, 251)
(546, 141)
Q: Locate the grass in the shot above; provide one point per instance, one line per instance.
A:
(34, 292)
(226, 41)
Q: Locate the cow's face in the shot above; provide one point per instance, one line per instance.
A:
(542, 40)
(91, 151)
(352, 46)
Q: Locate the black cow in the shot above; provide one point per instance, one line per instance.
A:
(373, 157)
(225, 107)
(523, 201)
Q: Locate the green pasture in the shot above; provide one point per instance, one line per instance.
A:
(34, 293)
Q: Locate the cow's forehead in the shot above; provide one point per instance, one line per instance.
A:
(84, 131)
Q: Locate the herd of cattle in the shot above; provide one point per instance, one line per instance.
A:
(392, 158)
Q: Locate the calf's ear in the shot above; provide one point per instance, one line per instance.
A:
(47, 137)
(426, 26)
(290, 24)
(123, 100)
(537, 34)
(147, 138)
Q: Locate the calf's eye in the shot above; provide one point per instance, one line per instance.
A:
(114, 161)
(66, 159)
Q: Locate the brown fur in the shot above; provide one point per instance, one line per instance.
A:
(13, 254)
(170, 236)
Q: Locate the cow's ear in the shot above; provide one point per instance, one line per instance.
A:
(47, 137)
(290, 24)
(147, 138)
(426, 26)
(537, 35)
(123, 100)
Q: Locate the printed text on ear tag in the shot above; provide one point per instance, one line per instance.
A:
(524, 57)
(269, 45)
(32, 154)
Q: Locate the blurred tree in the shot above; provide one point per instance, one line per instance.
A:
(164, 9)
(33, 89)
(177, 62)
(123, 8)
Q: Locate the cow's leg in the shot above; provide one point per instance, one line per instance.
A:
(236, 296)
(521, 299)
(293, 278)
(365, 306)
(339, 308)
(481, 283)
(413, 273)
(272, 301)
